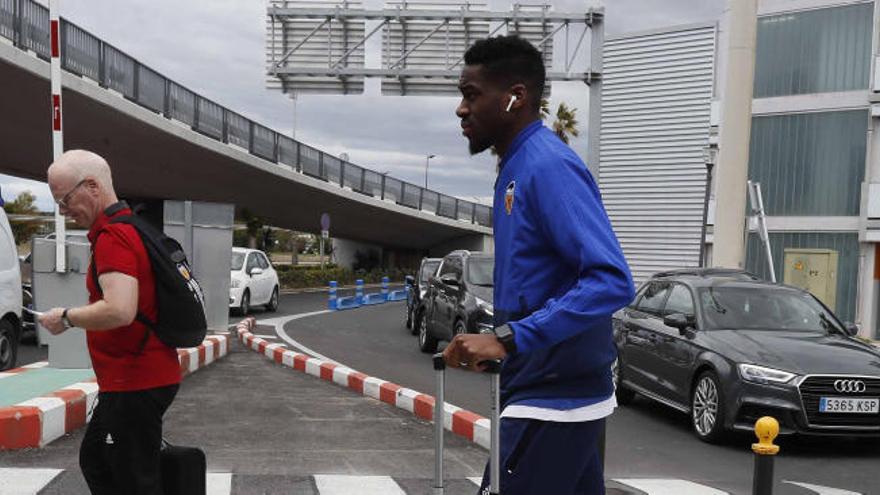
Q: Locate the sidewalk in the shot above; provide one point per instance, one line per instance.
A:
(39, 404)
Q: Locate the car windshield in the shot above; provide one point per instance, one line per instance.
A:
(480, 271)
(428, 269)
(237, 261)
(764, 308)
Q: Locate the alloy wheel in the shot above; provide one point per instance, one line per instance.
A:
(705, 406)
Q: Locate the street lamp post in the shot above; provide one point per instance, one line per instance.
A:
(427, 159)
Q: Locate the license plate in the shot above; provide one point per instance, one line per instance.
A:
(849, 405)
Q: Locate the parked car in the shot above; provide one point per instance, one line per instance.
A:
(10, 296)
(458, 300)
(254, 281)
(727, 349)
(416, 288)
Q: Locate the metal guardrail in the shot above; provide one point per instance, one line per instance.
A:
(26, 24)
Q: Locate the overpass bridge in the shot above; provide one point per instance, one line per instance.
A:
(165, 141)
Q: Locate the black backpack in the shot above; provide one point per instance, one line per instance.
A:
(179, 299)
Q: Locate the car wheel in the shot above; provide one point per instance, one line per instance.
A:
(459, 329)
(409, 317)
(623, 395)
(427, 343)
(707, 408)
(272, 305)
(245, 306)
(8, 345)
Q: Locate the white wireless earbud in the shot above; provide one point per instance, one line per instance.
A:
(510, 104)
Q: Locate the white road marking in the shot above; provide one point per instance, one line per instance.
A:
(279, 323)
(821, 490)
(476, 480)
(362, 485)
(218, 484)
(670, 487)
(25, 481)
(268, 337)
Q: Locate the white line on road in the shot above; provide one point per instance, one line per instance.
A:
(268, 337)
(670, 487)
(218, 484)
(821, 490)
(25, 481)
(476, 480)
(362, 485)
(279, 323)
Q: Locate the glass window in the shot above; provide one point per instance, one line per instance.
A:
(263, 262)
(237, 261)
(451, 266)
(252, 262)
(653, 298)
(429, 268)
(815, 51)
(680, 301)
(795, 157)
(764, 308)
(480, 271)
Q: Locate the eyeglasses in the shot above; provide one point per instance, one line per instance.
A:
(63, 201)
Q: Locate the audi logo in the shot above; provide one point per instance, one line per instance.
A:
(850, 386)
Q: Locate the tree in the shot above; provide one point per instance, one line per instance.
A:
(254, 225)
(24, 204)
(566, 123)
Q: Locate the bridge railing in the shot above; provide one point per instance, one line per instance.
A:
(25, 23)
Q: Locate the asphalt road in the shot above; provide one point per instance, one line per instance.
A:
(645, 439)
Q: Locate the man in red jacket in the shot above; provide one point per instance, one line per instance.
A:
(138, 376)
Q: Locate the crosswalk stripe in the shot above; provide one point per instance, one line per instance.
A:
(218, 484)
(821, 490)
(25, 481)
(362, 485)
(670, 487)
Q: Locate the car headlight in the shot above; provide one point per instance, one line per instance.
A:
(760, 374)
(485, 306)
(236, 283)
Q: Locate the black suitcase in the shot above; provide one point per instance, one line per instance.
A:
(184, 470)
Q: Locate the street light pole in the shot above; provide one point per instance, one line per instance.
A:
(427, 159)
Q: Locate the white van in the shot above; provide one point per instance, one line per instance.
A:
(10, 295)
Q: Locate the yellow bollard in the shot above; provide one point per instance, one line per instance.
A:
(766, 429)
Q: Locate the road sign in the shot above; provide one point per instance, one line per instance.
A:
(325, 221)
(325, 234)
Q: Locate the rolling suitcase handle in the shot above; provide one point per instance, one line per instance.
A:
(494, 369)
(439, 399)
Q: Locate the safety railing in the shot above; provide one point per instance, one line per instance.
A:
(26, 24)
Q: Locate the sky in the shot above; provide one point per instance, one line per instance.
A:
(216, 48)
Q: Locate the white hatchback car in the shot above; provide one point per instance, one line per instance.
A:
(10, 295)
(253, 281)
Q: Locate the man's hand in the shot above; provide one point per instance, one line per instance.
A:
(52, 321)
(468, 351)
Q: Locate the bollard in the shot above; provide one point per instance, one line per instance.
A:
(385, 281)
(440, 368)
(766, 429)
(332, 302)
(359, 291)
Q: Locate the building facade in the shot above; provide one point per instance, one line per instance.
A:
(813, 149)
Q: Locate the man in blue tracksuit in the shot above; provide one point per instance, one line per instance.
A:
(559, 276)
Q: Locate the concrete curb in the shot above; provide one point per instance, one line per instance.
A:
(455, 419)
(317, 290)
(36, 422)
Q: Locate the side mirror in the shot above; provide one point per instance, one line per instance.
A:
(409, 281)
(449, 280)
(677, 320)
(851, 329)
(256, 271)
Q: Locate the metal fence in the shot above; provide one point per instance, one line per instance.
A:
(26, 24)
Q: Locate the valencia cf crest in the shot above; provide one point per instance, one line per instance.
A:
(509, 196)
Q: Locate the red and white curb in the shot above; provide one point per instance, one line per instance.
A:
(455, 419)
(36, 422)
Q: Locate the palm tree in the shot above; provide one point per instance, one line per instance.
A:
(566, 123)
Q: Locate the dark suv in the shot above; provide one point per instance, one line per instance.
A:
(459, 299)
(727, 349)
(416, 288)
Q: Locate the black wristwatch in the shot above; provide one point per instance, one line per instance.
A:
(65, 319)
(504, 334)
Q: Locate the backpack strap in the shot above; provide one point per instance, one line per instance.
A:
(93, 269)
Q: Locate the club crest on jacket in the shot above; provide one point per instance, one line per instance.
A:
(508, 196)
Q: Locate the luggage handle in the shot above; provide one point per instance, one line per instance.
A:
(493, 367)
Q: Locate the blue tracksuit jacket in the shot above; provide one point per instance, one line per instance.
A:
(559, 275)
